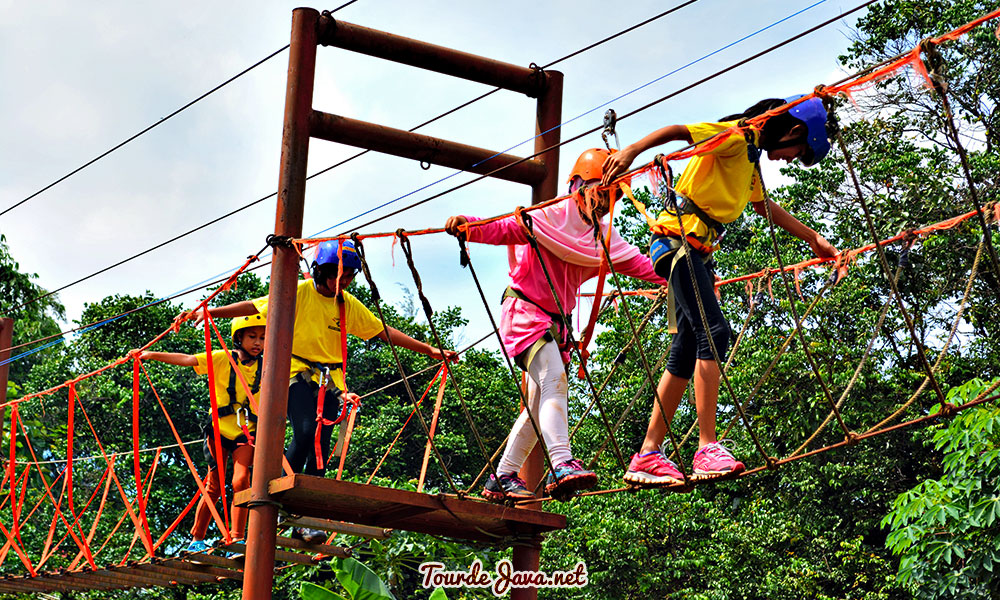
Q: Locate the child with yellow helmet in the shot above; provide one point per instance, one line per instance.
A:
(531, 327)
(236, 417)
(324, 312)
(714, 189)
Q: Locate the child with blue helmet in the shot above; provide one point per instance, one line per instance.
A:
(324, 312)
(714, 189)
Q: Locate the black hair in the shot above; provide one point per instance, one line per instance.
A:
(775, 127)
(322, 273)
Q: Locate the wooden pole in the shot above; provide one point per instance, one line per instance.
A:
(262, 528)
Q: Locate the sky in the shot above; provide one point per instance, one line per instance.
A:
(78, 78)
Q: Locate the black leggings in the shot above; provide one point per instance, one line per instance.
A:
(302, 416)
(690, 342)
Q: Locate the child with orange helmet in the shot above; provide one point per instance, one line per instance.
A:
(713, 190)
(530, 324)
(237, 418)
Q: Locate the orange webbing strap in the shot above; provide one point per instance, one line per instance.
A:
(7, 545)
(243, 382)
(20, 499)
(69, 450)
(118, 484)
(433, 428)
(46, 549)
(216, 435)
(177, 521)
(322, 421)
(202, 491)
(149, 489)
(355, 403)
(17, 548)
(48, 492)
(136, 467)
(106, 479)
(440, 373)
(76, 523)
(595, 310)
(11, 462)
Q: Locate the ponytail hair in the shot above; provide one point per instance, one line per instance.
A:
(775, 127)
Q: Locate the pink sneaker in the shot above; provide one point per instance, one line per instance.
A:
(653, 469)
(715, 459)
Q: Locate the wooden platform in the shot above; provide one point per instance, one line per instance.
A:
(188, 568)
(411, 511)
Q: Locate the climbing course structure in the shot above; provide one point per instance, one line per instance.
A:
(73, 496)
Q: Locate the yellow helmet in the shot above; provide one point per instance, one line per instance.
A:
(239, 323)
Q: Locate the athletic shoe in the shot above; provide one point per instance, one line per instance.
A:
(197, 546)
(308, 535)
(715, 459)
(653, 469)
(508, 486)
(568, 478)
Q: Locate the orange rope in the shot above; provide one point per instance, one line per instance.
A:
(203, 492)
(440, 373)
(216, 436)
(846, 257)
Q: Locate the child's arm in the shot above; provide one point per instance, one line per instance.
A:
(640, 267)
(171, 358)
(782, 218)
(236, 309)
(504, 232)
(399, 338)
(619, 162)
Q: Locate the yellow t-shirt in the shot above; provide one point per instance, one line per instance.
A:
(721, 182)
(228, 426)
(317, 326)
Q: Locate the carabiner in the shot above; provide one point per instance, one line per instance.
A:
(610, 119)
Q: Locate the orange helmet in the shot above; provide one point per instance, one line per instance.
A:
(590, 165)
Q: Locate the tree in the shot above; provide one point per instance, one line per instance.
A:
(946, 531)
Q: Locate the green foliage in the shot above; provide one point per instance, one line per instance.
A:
(946, 531)
(360, 582)
(311, 591)
(34, 317)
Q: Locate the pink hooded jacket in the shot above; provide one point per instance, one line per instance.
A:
(572, 256)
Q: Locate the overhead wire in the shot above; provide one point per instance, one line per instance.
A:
(339, 163)
(624, 116)
(521, 160)
(146, 130)
(158, 122)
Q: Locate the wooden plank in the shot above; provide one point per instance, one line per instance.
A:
(282, 555)
(286, 542)
(380, 533)
(218, 572)
(440, 515)
(216, 561)
(178, 575)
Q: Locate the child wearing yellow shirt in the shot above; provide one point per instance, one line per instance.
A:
(713, 190)
(237, 418)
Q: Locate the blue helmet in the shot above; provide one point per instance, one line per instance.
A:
(327, 254)
(813, 114)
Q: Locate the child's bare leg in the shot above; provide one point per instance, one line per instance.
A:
(670, 390)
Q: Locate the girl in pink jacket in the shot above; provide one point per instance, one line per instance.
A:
(531, 327)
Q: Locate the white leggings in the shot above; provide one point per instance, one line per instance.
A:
(547, 397)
